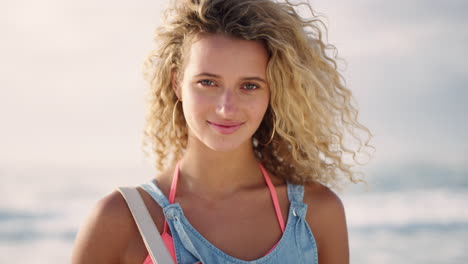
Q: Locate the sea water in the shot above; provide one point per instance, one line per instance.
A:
(413, 213)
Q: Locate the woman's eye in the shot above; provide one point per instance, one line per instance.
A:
(207, 82)
(251, 86)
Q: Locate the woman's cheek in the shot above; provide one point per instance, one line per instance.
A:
(197, 104)
(260, 107)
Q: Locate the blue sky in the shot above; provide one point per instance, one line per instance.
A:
(72, 89)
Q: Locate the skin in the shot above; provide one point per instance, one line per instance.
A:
(232, 91)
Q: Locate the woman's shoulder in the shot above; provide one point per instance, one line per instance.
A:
(326, 217)
(112, 209)
(322, 198)
(111, 206)
(325, 207)
(109, 234)
(104, 235)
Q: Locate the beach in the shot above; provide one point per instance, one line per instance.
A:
(423, 219)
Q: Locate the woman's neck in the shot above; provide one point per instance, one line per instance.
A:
(217, 173)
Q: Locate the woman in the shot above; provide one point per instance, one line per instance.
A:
(247, 118)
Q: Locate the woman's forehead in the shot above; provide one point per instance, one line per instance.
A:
(218, 52)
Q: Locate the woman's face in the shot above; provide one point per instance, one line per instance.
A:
(224, 90)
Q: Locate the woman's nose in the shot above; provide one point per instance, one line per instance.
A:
(227, 103)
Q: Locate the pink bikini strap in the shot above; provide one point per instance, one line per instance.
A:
(174, 183)
(274, 197)
(273, 194)
(172, 192)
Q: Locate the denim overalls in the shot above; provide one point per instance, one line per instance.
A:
(297, 245)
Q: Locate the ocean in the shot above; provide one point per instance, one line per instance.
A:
(412, 213)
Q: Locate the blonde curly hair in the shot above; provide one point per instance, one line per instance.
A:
(311, 115)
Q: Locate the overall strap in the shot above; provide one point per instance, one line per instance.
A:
(295, 193)
(159, 197)
(296, 199)
(152, 189)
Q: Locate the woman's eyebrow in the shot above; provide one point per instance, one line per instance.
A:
(254, 78)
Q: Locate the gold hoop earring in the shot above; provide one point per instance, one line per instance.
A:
(272, 134)
(173, 113)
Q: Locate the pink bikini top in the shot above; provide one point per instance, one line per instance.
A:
(168, 239)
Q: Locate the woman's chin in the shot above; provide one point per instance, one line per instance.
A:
(223, 143)
(223, 146)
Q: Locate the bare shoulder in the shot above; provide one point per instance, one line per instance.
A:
(323, 200)
(104, 236)
(326, 217)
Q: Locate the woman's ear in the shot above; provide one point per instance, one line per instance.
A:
(175, 84)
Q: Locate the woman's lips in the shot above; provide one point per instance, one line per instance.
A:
(225, 128)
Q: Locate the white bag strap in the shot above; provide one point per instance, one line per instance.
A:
(148, 230)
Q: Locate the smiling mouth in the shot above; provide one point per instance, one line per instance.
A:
(225, 128)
